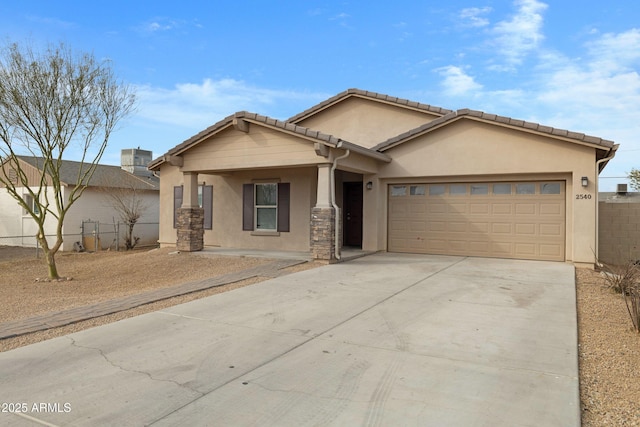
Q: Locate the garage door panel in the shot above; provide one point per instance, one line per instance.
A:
(479, 247)
(550, 250)
(418, 226)
(479, 208)
(551, 230)
(551, 209)
(526, 229)
(525, 208)
(457, 227)
(525, 250)
(502, 248)
(501, 209)
(458, 208)
(418, 208)
(499, 221)
(478, 227)
(502, 228)
(437, 245)
(435, 208)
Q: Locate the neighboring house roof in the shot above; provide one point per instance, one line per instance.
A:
(106, 176)
(370, 95)
(233, 120)
(628, 197)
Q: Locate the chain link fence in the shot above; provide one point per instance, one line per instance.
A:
(94, 236)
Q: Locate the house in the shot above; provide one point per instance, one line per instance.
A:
(92, 219)
(380, 173)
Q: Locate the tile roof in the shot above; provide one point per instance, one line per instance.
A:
(503, 120)
(103, 176)
(371, 95)
(445, 117)
(268, 121)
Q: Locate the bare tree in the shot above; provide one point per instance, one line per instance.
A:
(130, 204)
(51, 102)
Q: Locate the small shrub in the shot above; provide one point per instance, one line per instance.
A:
(620, 277)
(625, 279)
(631, 296)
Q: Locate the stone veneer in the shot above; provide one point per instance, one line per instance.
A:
(323, 234)
(190, 227)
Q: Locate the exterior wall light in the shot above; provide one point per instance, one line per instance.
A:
(585, 181)
(369, 185)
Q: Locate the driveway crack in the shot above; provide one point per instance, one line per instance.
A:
(134, 371)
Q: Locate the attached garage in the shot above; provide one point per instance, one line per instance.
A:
(523, 220)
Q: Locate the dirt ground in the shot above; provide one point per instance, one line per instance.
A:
(609, 349)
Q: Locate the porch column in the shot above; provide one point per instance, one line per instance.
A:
(323, 219)
(190, 216)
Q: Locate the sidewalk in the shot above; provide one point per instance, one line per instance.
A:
(78, 314)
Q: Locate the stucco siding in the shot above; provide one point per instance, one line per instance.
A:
(474, 151)
(10, 220)
(16, 227)
(95, 205)
(365, 122)
(227, 208)
(259, 148)
(474, 148)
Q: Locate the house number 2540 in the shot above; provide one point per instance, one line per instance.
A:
(583, 196)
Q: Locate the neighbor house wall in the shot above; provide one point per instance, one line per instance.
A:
(96, 205)
(619, 230)
(16, 227)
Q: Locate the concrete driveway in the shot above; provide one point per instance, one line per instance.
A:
(383, 340)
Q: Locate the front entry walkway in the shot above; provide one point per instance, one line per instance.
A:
(382, 340)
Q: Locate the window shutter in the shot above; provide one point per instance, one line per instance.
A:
(284, 197)
(177, 203)
(207, 204)
(247, 207)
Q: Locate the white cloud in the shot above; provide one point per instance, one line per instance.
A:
(614, 52)
(475, 16)
(456, 82)
(521, 34)
(159, 25)
(198, 105)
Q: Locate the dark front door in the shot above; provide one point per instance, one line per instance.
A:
(352, 213)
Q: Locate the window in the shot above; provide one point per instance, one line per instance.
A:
(479, 189)
(205, 200)
(30, 201)
(528, 188)
(266, 207)
(457, 189)
(550, 188)
(501, 188)
(417, 190)
(436, 190)
(398, 190)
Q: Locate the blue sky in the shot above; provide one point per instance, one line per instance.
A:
(568, 64)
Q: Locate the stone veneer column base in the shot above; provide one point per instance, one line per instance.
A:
(323, 234)
(190, 225)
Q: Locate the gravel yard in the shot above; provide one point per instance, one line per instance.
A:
(609, 349)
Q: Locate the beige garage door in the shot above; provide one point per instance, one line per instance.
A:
(524, 220)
